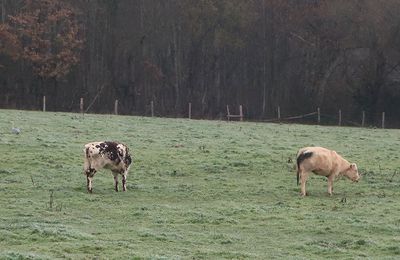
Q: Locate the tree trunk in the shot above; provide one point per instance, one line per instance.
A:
(176, 66)
(324, 81)
(3, 11)
(264, 101)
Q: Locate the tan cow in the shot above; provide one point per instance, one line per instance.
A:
(324, 162)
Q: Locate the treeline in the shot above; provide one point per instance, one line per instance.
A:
(299, 55)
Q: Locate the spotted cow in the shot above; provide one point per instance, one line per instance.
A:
(324, 162)
(109, 155)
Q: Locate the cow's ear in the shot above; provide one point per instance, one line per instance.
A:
(353, 166)
(120, 152)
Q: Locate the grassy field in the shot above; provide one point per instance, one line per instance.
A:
(197, 190)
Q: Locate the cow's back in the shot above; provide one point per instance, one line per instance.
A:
(322, 160)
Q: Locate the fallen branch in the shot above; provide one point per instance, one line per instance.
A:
(302, 39)
(94, 99)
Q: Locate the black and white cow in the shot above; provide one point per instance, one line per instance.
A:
(109, 155)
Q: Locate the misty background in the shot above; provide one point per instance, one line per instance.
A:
(261, 54)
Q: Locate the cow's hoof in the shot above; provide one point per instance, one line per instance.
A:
(90, 191)
(304, 194)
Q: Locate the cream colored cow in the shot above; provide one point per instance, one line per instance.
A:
(324, 162)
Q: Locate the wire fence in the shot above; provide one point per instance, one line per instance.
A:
(377, 120)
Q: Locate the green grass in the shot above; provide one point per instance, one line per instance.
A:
(197, 190)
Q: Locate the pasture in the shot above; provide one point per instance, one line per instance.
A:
(197, 190)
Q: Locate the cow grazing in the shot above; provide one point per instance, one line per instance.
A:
(109, 155)
(324, 162)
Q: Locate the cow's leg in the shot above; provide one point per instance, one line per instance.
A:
(303, 180)
(331, 178)
(89, 178)
(116, 180)
(124, 175)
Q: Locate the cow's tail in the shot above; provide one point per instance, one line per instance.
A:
(87, 161)
(300, 158)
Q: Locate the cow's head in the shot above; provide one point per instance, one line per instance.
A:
(125, 157)
(128, 160)
(352, 173)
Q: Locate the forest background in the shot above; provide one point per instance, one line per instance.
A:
(298, 55)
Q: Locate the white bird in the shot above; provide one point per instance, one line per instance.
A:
(15, 130)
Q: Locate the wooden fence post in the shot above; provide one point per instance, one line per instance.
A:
(340, 117)
(279, 113)
(241, 112)
(363, 119)
(44, 103)
(228, 113)
(190, 110)
(319, 115)
(116, 107)
(383, 120)
(81, 105)
(152, 108)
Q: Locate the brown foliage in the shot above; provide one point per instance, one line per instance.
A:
(9, 43)
(47, 35)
